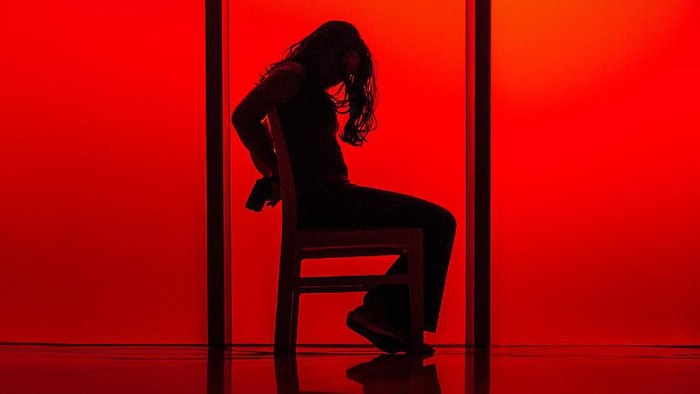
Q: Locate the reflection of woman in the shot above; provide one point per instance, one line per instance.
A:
(393, 373)
(335, 55)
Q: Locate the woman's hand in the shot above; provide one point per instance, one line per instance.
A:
(276, 194)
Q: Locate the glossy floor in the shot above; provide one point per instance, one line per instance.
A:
(128, 369)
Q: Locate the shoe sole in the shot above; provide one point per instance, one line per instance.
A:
(380, 337)
(383, 342)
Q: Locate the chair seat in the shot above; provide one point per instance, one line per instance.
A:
(341, 284)
(325, 243)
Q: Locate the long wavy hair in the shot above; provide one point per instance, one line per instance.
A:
(331, 42)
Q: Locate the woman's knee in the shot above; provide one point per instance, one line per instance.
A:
(445, 220)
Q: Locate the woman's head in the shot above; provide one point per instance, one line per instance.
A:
(335, 53)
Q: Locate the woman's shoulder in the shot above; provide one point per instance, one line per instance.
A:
(282, 81)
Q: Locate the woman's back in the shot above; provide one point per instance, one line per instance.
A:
(310, 124)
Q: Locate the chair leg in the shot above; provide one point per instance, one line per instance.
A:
(416, 341)
(283, 319)
(415, 264)
(283, 324)
(287, 306)
(286, 374)
(293, 325)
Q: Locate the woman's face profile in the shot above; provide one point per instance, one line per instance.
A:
(351, 61)
(333, 74)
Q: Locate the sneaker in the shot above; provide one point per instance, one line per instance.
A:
(382, 336)
(379, 336)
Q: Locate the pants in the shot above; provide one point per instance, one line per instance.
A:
(349, 205)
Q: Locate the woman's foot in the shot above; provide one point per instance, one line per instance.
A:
(381, 337)
(381, 333)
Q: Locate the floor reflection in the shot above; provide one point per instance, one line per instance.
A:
(251, 369)
(384, 374)
(395, 374)
(336, 370)
(478, 371)
(218, 371)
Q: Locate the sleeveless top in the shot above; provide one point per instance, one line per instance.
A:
(310, 124)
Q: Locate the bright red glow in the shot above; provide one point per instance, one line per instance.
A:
(595, 172)
(418, 149)
(102, 208)
(595, 188)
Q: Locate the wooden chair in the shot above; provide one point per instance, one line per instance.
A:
(326, 243)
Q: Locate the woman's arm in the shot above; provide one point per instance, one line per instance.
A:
(280, 85)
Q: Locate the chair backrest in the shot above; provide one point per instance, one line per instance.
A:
(287, 187)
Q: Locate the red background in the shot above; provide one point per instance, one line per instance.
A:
(102, 169)
(103, 205)
(595, 172)
(102, 210)
(418, 149)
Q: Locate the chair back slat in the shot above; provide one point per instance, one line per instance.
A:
(287, 190)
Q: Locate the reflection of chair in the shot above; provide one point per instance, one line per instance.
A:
(324, 243)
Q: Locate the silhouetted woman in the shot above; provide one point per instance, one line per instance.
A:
(298, 86)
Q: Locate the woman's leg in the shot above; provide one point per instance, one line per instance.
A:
(351, 206)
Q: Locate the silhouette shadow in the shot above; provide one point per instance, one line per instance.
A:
(393, 373)
(218, 371)
(385, 374)
(477, 371)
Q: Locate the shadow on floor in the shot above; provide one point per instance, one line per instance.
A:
(383, 374)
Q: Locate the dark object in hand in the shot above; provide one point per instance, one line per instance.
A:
(261, 193)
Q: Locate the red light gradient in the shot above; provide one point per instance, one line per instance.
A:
(595, 188)
(102, 208)
(419, 149)
(595, 172)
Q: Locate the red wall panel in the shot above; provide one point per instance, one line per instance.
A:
(419, 148)
(595, 172)
(102, 202)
